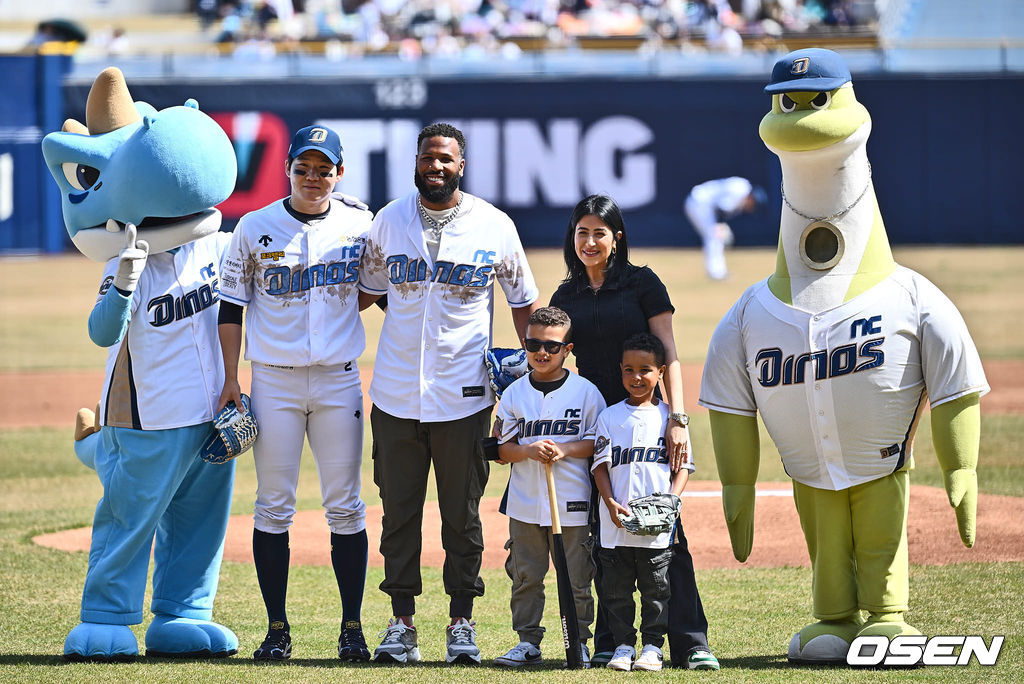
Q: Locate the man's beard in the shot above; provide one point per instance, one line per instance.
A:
(437, 195)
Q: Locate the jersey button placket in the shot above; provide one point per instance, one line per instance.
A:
(312, 303)
(831, 447)
(816, 398)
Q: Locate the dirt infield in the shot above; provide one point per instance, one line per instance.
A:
(777, 536)
(52, 398)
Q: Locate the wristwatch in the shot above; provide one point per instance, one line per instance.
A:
(680, 418)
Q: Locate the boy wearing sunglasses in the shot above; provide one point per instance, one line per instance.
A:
(547, 416)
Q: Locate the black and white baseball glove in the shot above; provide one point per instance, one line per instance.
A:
(651, 514)
(504, 366)
(233, 433)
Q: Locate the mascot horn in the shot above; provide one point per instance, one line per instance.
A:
(839, 350)
(138, 188)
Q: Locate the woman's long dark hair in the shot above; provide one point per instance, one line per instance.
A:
(604, 208)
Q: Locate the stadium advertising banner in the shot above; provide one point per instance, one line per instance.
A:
(536, 147)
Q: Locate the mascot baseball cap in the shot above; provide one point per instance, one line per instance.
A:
(319, 138)
(810, 70)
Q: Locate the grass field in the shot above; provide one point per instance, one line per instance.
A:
(752, 611)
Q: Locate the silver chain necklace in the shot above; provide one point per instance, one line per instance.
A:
(433, 226)
(833, 216)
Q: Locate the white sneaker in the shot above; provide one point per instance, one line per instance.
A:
(523, 653)
(650, 659)
(398, 644)
(461, 640)
(622, 658)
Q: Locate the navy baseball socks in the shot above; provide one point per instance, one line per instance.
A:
(271, 556)
(348, 556)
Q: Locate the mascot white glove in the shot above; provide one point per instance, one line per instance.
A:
(131, 260)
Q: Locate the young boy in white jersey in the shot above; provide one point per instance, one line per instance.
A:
(630, 461)
(547, 416)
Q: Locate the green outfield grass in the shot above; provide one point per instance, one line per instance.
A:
(753, 611)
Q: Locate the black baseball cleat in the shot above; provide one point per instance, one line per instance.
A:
(277, 645)
(351, 644)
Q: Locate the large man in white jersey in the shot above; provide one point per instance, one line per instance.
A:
(436, 254)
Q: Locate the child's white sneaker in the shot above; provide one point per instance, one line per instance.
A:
(622, 658)
(650, 659)
(523, 653)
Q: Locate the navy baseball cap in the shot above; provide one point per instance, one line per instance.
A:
(319, 138)
(760, 196)
(810, 69)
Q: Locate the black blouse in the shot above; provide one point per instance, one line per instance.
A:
(602, 320)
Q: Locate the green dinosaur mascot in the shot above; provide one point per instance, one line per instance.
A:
(840, 350)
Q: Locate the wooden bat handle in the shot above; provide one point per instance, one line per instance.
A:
(556, 525)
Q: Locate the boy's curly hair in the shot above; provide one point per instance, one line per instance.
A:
(647, 342)
(552, 316)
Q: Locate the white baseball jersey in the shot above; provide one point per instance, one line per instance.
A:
(631, 440)
(567, 414)
(167, 371)
(298, 283)
(840, 391)
(429, 364)
(715, 200)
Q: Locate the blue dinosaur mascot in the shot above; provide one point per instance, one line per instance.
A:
(839, 350)
(138, 189)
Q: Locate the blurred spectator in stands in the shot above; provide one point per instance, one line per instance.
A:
(264, 13)
(56, 36)
(117, 43)
(257, 47)
(207, 12)
(231, 28)
(441, 26)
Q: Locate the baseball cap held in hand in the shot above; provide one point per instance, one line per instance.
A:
(808, 70)
(319, 138)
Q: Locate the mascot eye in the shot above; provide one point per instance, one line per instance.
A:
(80, 176)
(822, 100)
(786, 103)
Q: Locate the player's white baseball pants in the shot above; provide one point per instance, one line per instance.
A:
(326, 403)
(712, 238)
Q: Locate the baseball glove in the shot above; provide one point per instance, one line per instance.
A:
(504, 366)
(233, 433)
(652, 514)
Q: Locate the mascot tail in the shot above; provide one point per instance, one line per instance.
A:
(87, 436)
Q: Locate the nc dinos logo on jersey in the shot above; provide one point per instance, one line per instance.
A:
(774, 367)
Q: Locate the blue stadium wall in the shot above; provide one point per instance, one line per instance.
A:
(946, 150)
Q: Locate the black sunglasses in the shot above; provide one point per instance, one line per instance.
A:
(318, 172)
(550, 346)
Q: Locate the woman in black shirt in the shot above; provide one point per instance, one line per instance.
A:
(608, 299)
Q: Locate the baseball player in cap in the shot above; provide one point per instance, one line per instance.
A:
(710, 205)
(437, 254)
(839, 350)
(293, 265)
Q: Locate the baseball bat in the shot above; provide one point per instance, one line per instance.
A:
(566, 602)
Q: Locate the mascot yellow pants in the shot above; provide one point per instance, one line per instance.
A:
(857, 541)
